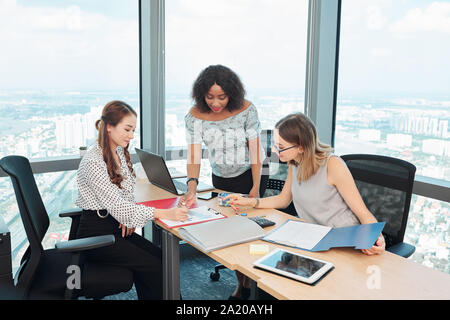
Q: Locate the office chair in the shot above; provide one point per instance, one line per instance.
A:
(385, 184)
(277, 185)
(44, 274)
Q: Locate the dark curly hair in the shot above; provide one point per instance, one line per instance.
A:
(226, 79)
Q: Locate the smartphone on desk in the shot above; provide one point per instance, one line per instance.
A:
(207, 195)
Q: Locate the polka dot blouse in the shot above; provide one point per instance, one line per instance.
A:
(97, 192)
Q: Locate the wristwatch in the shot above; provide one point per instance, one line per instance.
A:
(190, 179)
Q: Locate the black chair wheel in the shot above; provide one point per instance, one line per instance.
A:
(215, 276)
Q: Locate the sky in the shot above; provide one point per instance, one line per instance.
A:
(263, 41)
(386, 45)
(60, 45)
(395, 45)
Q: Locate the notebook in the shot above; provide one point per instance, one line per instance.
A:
(314, 237)
(222, 233)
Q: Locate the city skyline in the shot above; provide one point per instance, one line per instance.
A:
(390, 121)
(429, 219)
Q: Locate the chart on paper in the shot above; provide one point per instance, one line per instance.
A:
(195, 215)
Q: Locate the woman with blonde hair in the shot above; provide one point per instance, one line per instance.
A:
(106, 183)
(318, 182)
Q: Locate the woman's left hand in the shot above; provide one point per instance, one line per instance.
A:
(254, 193)
(377, 248)
(126, 231)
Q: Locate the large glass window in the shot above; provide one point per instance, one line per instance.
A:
(264, 42)
(61, 62)
(394, 99)
(427, 230)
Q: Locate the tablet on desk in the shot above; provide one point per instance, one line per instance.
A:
(294, 265)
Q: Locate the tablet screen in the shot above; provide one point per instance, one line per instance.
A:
(292, 263)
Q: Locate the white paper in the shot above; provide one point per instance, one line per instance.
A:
(298, 234)
(195, 215)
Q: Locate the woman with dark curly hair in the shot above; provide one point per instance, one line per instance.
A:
(228, 125)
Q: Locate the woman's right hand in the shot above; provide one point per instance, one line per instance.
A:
(177, 214)
(189, 199)
(237, 199)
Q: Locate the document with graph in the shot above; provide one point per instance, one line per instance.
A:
(195, 215)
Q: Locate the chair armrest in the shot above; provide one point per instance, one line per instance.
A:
(402, 249)
(85, 243)
(75, 215)
(71, 213)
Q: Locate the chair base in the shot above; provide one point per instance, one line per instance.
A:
(215, 276)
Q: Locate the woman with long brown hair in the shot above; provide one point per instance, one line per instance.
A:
(106, 183)
(319, 183)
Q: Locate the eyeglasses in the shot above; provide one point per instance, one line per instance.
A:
(281, 150)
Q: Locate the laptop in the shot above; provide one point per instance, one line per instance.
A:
(157, 173)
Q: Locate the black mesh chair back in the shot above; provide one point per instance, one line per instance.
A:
(32, 211)
(385, 184)
(30, 203)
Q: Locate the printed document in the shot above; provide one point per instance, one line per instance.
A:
(195, 215)
(298, 234)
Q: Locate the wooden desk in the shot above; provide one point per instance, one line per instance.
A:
(399, 278)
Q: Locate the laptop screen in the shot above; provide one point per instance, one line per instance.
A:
(156, 170)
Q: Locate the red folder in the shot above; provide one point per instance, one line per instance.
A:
(163, 203)
(172, 203)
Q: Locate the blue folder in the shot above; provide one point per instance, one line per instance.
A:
(362, 236)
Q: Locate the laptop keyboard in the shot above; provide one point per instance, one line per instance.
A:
(180, 186)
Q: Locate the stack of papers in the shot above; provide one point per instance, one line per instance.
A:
(222, 233)
(298, 234)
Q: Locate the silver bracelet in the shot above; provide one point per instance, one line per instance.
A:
(257, 203)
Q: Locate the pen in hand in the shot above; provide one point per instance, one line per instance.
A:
(182, 205)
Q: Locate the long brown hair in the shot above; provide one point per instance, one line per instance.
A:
(113, 112)
(299, 130)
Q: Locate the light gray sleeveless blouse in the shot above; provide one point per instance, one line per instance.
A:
(318, 202)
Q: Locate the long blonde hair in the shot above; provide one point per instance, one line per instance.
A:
(299, 130)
